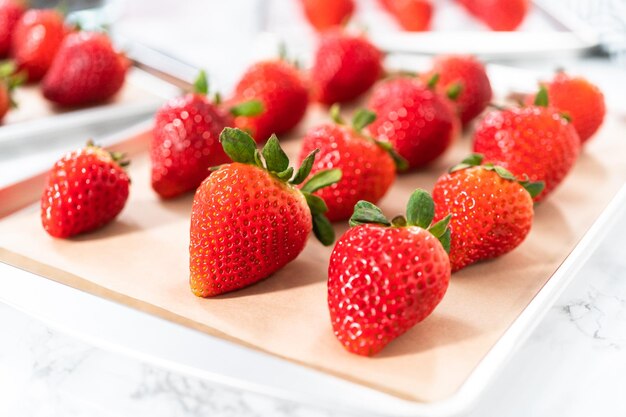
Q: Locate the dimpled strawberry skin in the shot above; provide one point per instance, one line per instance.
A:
(381, 282)
(84, 191)
(344, 68)
(85, 70)
(418, 122)
(245, 225)
(10, 13)
(581, 100)
(490, 215)
(470, 73)
(283, 93)
(533, 141)
(185, 144)
(367, 170)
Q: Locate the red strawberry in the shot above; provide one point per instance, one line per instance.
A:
(412, 15)
(345, 67)
(36, 39)
(280, 87)
(580, 100)
(185, 140)
(248, 219)
(325, 14)
(85, 190)
(384, 277)
(535, 141)
(10, 13)
(367, 166)
(415, 119)
(8, 81)
(465, 80)
(491, 211)
(501, 15)
(85, 70)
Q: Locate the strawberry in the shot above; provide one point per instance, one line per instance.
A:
(368, 167)
(344, 67)
(500, 15)
(281, 89)
(185, 139)
(412, 15)
(580, 100)
(36, 39)
(249, 219)
(9, 80)
(10, 13)
(386, 276)
(85, 190)
(534, 141)
(325, 14)
(464, 80)
(414, 118)
(491, 211)
(85, 70)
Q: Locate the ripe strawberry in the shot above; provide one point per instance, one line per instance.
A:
(85, 70)
(414, 118)
(500, 15)
(185, 139)
(85, 190)
(412, 15)
(8, 81)
(491, 211)
(533, 141)
(10, 13)
(386, 276)
(344, 67)
(367, 166)
(465, 80)
(325, 14)
(281, 89)
(36, 39)
(248, 219)
(580, 100)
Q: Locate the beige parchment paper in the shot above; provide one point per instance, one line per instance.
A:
(141, 260)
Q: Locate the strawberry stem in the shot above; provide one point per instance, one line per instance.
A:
(201, 84)
(541, 99)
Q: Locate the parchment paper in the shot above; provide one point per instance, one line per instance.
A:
(142, 260)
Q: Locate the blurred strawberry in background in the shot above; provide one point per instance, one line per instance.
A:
(325, 14)
(500, 15)
(412, 15)
(10, 13)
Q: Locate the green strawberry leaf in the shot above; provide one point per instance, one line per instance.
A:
(454, 91)
(286, 174)
(367, 213)
(504, 173)
(305, 168)
(421, 209)
(321, 179)
(474, 159)
(565, 115)
(217, 98)
(275, 158)
(315, 203)
(432, 82)
(439, 229)
(238, 145)
(362, 118)
(258, 160)
(533, 188)
(201, 85)
(247, 108)
(445, 240)
(399, 161)
(541, 99)
(323, 229)
(335, 114)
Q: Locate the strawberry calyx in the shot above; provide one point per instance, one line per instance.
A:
(432, 81)
(11, 79)
(360, 120)
(420, 212)
(541, 99)
(120, 158)
(240, 147)
(247, 108)
(454, 90)
(534, 188)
